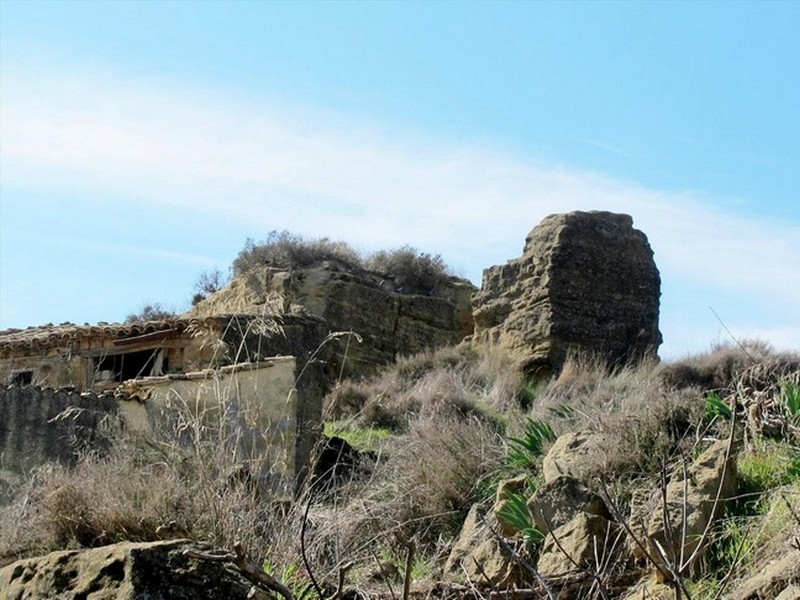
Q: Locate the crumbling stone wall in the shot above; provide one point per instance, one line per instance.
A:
(39, 425)
(585, 281)
(390, 323)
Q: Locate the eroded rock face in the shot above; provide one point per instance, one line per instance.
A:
(124, 571)
(391, 323)
(585, 281)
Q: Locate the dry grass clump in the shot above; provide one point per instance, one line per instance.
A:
(717, 369)
(644, 419)
(450, 382)
(421, 489)
(587, 391)
(143, 490)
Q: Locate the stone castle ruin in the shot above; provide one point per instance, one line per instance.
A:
(262, 348)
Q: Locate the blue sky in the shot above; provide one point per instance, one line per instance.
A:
(142, 142)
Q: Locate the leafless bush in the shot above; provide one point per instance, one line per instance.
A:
(716, 369)
(208, 283)
(151, 312)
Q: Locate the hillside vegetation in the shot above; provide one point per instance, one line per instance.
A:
(434, 435)
(451, 473)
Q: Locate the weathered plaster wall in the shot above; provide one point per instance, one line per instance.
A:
(252, 409)
(259, 411)
(56, 370)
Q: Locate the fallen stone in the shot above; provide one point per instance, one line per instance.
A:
(125, 571)
(478, 558)
(556, 503)
(574, 454)
(578, 545)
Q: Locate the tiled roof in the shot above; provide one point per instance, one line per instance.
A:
(14, 341)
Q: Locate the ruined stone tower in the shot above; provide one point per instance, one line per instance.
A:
(586, 281)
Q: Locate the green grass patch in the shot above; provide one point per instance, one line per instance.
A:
(768, 465)
(363, 439)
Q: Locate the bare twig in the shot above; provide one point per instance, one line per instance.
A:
(340, 584)
(306, 562)
(249, 571)
(639, 543)
(410, 550)
(524, 563)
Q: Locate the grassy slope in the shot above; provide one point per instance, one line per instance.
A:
(438, 426)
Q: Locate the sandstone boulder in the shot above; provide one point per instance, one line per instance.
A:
(574, 454)
(478, 557)
(691, 503)
(585, 281)
(578, 545)
(556, 503)
(125, 571)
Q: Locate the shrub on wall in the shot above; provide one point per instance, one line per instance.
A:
(412, 271)
(284, 249)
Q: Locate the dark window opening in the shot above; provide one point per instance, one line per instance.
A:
(22, 377)
(121, 367)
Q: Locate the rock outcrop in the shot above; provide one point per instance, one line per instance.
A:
(390, 322)
(586, 281)
(127, 571)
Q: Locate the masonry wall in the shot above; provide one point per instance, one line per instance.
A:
(56, 369)
(39, 425)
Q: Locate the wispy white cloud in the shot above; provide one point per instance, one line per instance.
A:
(319, 173)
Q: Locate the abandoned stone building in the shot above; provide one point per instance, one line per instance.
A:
(586, 281)
(241, 372)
